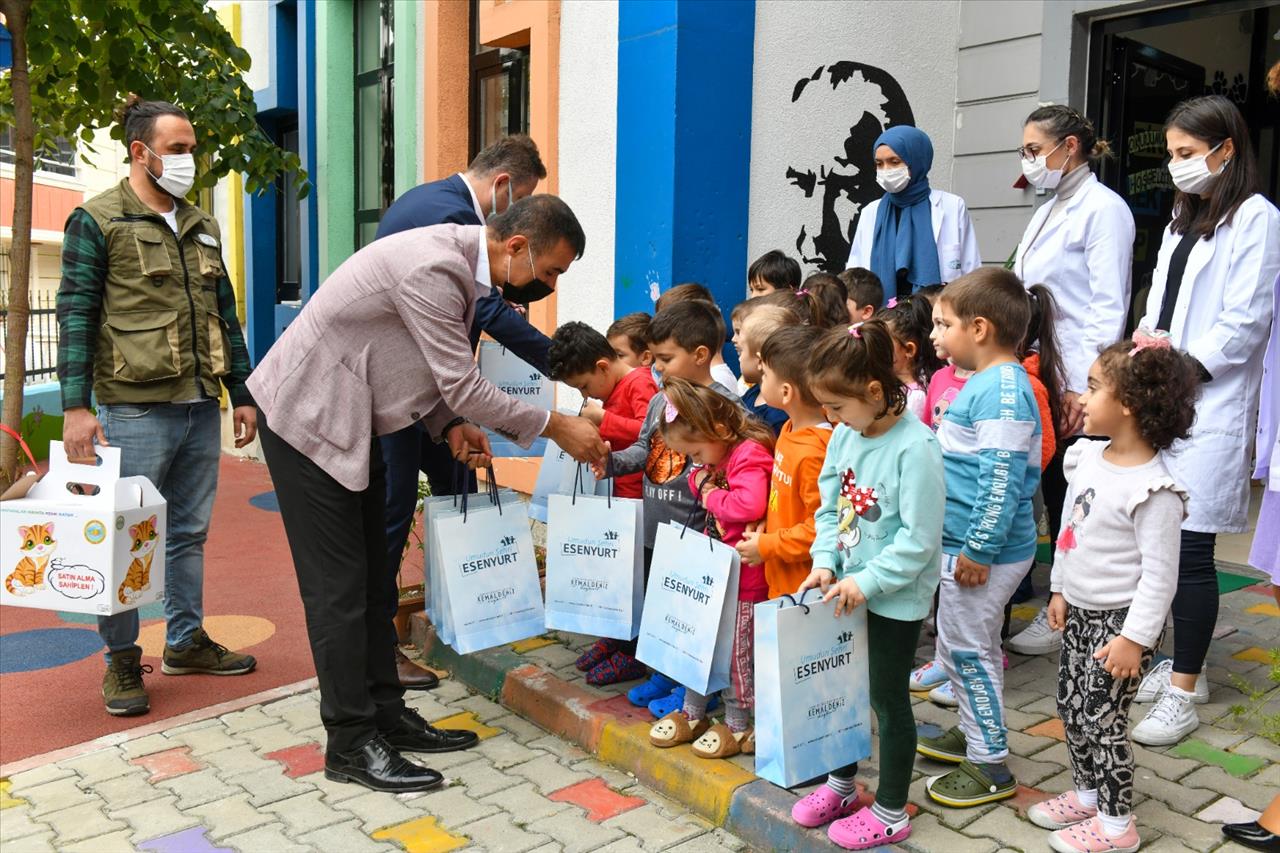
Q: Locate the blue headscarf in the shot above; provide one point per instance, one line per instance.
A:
(906, 242)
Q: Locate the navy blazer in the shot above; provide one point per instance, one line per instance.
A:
(449, 201)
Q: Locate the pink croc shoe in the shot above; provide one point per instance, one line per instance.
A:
(1090, 837)
(863, 831)
(1060, 812)
(823, 806)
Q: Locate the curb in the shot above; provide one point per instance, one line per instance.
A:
(755, 810)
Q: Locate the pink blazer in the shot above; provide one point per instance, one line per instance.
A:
(382, 345)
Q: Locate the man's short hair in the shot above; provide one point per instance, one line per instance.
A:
(139, 118)
(544, 219)
(690, 324)
(863, 286)
(776, 269)
(517, 155)
(575, 349)
(635, 326)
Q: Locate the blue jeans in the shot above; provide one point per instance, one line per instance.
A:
(176, 446)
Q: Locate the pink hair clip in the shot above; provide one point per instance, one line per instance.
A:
(892, 303)
(671, 413)
(800, 291)
(1144, 338)
(856, 331)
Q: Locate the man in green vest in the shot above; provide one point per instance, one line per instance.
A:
(147, 322)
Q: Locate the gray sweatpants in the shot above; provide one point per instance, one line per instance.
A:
(969, 620)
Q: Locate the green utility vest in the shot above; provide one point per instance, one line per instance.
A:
(162, 339)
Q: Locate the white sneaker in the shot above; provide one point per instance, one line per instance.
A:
(1037, 638)
(944, 694)
(1172, 718)
(1157, 681)
(927, 677)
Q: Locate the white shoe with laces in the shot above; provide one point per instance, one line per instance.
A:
(1172, 718)
(945, 695)
(1037, 638)
(1157, 681)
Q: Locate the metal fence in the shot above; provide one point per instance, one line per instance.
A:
(42, 332)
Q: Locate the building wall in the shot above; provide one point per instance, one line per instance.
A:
(588, 145)
(825, 81)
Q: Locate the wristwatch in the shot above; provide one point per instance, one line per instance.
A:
(444, 433)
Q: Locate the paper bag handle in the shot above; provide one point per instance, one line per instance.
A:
(579, 488)
(789, 597)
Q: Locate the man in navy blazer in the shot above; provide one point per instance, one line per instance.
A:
(507, 170)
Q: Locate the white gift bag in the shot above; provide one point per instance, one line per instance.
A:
(515, 377)
(489, 574)
(813, 707)
(557, 475)
(690, 608)
(595, 565)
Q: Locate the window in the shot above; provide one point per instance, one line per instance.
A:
(58, 159)
(499, 90)
(288, 226)
(375, 148)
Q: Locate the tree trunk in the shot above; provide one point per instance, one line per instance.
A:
(17, 13)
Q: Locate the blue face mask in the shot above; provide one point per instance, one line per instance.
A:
(493, 197)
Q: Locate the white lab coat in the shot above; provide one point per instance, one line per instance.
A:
(1085, 257)
(952, 231)
(1222, 316)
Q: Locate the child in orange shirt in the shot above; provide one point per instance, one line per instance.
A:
(788, 531)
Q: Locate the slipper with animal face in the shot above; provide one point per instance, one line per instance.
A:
(720, 741)
(675, 729)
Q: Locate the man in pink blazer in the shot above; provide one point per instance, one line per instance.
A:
(381, 346)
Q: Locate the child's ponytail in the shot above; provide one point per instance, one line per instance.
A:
(910, 319)
(709, 415)
(1042, 338)
(847, 359)
(823, 296)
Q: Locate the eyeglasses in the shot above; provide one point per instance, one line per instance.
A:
(1031, 152)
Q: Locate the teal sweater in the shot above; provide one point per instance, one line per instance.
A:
(883, 501)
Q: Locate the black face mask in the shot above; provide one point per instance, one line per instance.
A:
(525, 294)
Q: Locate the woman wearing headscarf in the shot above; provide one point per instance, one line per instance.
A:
(914, 235)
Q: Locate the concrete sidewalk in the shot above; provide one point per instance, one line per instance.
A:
(1224, 773)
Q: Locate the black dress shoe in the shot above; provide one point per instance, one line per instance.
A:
(379, 766)
(414, 734)
(1252, 835)
(412, 676)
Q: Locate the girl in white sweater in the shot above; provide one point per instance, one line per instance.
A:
(1113, 578)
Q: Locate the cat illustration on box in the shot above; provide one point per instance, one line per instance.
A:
(37, 545)
(138, 578)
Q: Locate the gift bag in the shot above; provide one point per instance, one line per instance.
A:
(690, 605)
(595, 565)
(557, 476)
(515, 378)
(488, 573)
(813, 708)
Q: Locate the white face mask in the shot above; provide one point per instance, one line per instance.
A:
(1192, 175)
(1038, 173)
(893, 180)
(179, 173)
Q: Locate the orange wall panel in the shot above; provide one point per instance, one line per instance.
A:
(50, 205)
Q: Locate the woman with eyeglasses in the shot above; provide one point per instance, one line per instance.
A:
(912, 236)
(1213, 290)
(1080, 245)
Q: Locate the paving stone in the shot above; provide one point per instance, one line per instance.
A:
(1217, 736)
(501, 833)
(154, 818)
(559, 748)
(306, 812)
(716, 841)
(302, 760)
(468, 721)
(376, 810)
(18, 823)
(927, 834)
(112, 842)
(56, 795)
(125, 791)
(455, 805)
(625, 844)
(347, 837)
(334, 792)
(301, 717)
(1213, 778)
(195, 726)
(450, 761)
(1184, 796)
(1161, 763)
(481, 779)
(1260, 747)
(1227, 810)
(47, 773)
(206, 740)
(505, 751)
(229, 816)
(553, 657)
(548, 774)
(38, 843)
(81, 821)
(450, 691)
(168, 763)
(656, 831)
(598, 800)
(1007, 829)
(425, 704)
(521, 729)
(1153, 815)
(619, 781)
(950, 818)
(280, 706)
(485, 710)
(238, 722)
(194, 789)
(99, 766)
(268, 784)
(423, 835)
(574, 831)
(1032, 771)
(1166, 844)
(266, 838)
(1237, 765)
(237, 760)
(276, 735)
(523, 800)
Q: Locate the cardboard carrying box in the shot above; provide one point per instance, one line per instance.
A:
(82, 538)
